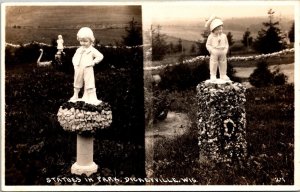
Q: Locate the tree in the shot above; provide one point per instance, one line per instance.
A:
(247, 39)
(171, 47)
(159, 45)
(202, 44)
(292, 33)
(269, 40)
(193, 49)
(134, 34)
(261, 76)
(179, 46)
(230, 41)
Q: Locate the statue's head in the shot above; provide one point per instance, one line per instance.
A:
(213, 22)
(86, 33)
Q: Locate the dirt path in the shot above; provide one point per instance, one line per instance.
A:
(174, 126)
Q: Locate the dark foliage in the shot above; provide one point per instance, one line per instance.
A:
(202, 44)
(120, 57)
(183, 76)
(269, 40)
(230, 39)
(161, 105)
(279, 78)
(134, 34)
(159, 44)
(157, 105)
(263, 77)
(36, 147)
(291, 34)
(27, 54)
(247, 39)
(193, 49)
(230, 42)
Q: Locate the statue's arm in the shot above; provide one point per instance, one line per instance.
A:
(209, 46)
(98, 57)
(226, 43)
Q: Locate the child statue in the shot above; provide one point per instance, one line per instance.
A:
(60, 44)
(60, 51)
(217, 45)
(85, 57)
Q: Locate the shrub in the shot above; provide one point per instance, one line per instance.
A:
(279, 78)
(159, 44)
(27, 54)
(157, 105)
(114, 57)
(262, 76)
(184, 76)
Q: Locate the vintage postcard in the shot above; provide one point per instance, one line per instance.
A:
(147, 96)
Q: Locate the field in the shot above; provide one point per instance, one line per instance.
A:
(193, 33)
(25, 24)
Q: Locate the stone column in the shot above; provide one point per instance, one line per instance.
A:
(221, 122)
(84, 119)
(84, 160)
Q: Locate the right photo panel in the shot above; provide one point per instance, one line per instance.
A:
(219, 93)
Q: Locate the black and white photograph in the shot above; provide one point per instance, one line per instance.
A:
(167, 95)
(74, 100)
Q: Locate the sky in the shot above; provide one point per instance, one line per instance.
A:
(202, 10)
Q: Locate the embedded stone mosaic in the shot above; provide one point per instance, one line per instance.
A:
(82, 117)
(221, 122)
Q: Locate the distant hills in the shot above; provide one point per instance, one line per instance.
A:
(71, 16)
(192, 30)
(255, 23)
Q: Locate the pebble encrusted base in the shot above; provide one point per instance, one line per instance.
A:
(81, 117)
(221, 122)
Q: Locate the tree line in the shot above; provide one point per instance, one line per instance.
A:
(268, 40)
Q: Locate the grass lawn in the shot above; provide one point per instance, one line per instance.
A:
(270, 140)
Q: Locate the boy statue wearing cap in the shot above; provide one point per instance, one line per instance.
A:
(217, 45)
(85, 57)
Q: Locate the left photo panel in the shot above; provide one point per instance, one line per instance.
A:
(74, 94)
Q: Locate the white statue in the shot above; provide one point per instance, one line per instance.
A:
(217, 45)
(85, 57)
(43, 63)
(60, 44)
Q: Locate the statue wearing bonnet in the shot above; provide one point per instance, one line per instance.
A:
(217, 45)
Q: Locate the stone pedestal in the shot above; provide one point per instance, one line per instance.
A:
(84, 160)
(84, 119)
(221, 122)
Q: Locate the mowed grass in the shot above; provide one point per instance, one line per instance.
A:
(270, 140)
(44, 35)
